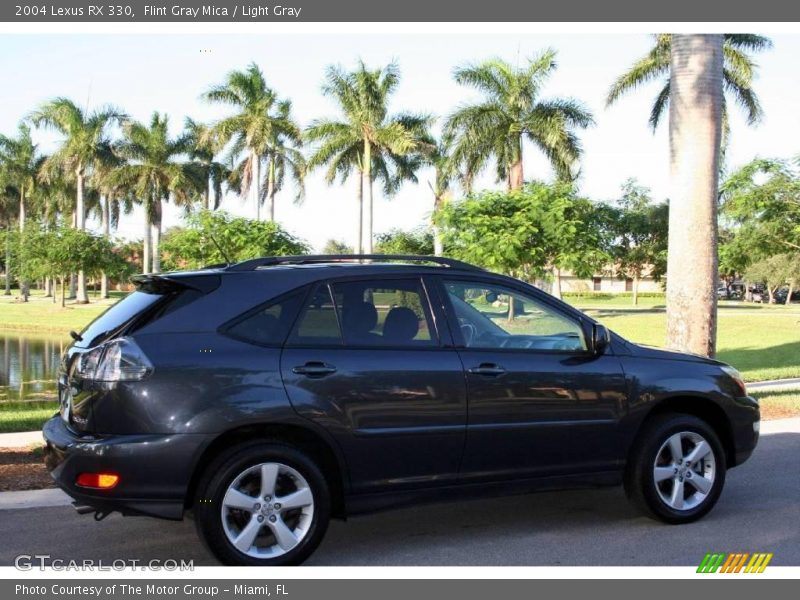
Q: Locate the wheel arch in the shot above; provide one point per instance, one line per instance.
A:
(698, 406)
(298, 436)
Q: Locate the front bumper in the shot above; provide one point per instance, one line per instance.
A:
(745, 425)
(154, 469)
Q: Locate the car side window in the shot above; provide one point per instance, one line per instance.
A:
(318, 323)
(492, 316)
(268, 325)
(384, 313)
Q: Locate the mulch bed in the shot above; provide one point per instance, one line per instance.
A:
(23, 469)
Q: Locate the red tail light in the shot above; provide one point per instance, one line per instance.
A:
(99, 481)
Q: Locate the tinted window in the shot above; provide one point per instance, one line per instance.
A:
(318, 323)
(492, 316)
(270, 324)
(384, 313)
(118, 315)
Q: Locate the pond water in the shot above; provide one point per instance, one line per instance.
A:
(28, 366)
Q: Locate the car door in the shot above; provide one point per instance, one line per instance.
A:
(366, 361)
(539, 402)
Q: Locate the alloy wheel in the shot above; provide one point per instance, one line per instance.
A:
(684, 470)
(267, 510)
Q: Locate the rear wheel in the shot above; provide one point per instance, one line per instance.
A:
(676, 471)
(262, 504)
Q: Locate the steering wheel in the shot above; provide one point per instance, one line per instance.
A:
(469, 332)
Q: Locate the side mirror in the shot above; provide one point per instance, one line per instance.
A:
(601, 338)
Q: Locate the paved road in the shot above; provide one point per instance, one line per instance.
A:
(759, 511)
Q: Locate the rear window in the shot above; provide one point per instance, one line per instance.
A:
(119, 315)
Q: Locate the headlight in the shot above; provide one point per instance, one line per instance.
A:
(116, 360)
(736, 376)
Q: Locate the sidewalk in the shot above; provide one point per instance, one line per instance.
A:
(21, 439)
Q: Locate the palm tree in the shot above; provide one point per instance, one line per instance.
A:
(738, 74)
(511, 112)
(203, 153)
(695, 131)
(9, 205)
(154, 173)
(85, 145)
(261, 124)
(367, 139)
(22, 163)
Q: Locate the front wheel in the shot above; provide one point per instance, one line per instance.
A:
(676, 470)
(262, 504)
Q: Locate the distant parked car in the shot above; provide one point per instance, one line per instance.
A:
(780, 295)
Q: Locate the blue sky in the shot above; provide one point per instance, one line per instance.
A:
(142, 73)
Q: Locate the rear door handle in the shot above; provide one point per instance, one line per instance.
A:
(314, 369)
(487, 369)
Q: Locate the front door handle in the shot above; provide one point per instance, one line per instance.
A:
(314, 369)
(488, 370)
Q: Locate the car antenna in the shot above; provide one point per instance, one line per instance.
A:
(221, 251)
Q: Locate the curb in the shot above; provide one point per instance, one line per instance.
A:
(774, 384)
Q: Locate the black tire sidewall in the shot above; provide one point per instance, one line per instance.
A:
(220, 474)
(653, 441)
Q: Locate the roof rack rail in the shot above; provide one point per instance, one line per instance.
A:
(272, 261)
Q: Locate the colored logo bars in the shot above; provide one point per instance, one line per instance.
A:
(735, 562)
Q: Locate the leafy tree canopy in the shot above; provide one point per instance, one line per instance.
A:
(218, 237)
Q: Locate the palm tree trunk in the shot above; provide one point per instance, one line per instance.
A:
(360, 233)
(157, 239)
(635, 289)
(255, 184)
(8, 261)
(367, 187)
(438, 246)
(81, 296)
(105, 208)
(694, 134)
(147, 244)
(271, 189)
(515, 175)
(24, 286)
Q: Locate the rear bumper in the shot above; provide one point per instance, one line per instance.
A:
(154, 470)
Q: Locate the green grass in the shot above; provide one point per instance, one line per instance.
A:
(25, 416)
(761, 345)
(40, 314)
(779, 404)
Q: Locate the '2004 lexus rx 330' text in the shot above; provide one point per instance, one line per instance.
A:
(271, 395)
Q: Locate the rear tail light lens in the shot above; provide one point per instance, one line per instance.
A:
(116, 360)
(99, 481)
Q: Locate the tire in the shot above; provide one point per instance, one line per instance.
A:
(699, 484)
(282, 533)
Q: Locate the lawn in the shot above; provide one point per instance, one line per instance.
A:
(42, 315)
(779, 404)
(762, 344)
(25, 416)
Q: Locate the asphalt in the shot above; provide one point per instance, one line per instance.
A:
(759, 512)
